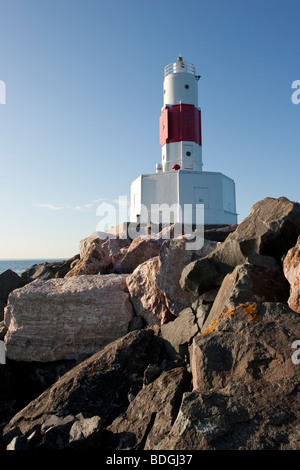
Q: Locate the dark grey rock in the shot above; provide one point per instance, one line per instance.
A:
(262, 238)
(9, 281)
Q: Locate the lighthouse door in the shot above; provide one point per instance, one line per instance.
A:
(188, 157)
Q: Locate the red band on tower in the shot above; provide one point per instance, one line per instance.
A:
(181, 122)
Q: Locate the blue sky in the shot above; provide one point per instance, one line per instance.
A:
(84, 82)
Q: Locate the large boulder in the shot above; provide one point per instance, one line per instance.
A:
(100, 256)
(179, 334)
(86, 242)
(219, 234)
(291, 269)
(248, 283)
(174, 256)
(65, 318)
(148, 302)
(95, 261)
(98, 386)
(262, 238)
(140, 250)
(45, 271)
(9, 281)
(150, 415)
(245, 385)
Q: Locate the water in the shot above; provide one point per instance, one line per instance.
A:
(19, 266)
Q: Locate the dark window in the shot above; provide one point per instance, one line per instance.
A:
(186, 86)
(188, 154)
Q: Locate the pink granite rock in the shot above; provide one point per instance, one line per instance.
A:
(291, 268)
(141, 249)
(66, 318)
(95, 260)
(148, 302)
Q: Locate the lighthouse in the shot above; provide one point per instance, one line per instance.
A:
(180, 182)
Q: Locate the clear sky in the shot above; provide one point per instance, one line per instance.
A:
(84, 82)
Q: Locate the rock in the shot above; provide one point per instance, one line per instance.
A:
(95, 261)
(178, 335)
(173, 258)
(246, 394)
(150, 415)
(246, 331)
(3, 330)
(248, 283)
(98, 386)
(100, 257)
(17, 443)
(262, 238)
(140, 250)
(201, 308)
(116, 249)
(54, 432)
(148, 302)
(291, 269)
(86, 432)
(66, 318)
(9, 281)
(86, 242)
(45, 271)
(219, 234)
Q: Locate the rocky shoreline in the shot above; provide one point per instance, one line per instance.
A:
(144, 345)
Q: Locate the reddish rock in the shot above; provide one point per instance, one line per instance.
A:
(96, 260)
(100, 257)
(66, 318)
(148, 302)
(291, 268)
(86, 242)
(140, 250)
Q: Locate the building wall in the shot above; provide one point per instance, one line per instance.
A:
(215, 190)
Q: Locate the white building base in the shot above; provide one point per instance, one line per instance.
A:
(215, 190)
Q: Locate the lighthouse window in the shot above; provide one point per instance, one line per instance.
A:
(188, 154)
(186, 86)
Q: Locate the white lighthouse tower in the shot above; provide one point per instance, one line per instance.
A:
(179, 180)
(180, 120)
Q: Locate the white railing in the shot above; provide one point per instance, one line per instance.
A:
(179, 66)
